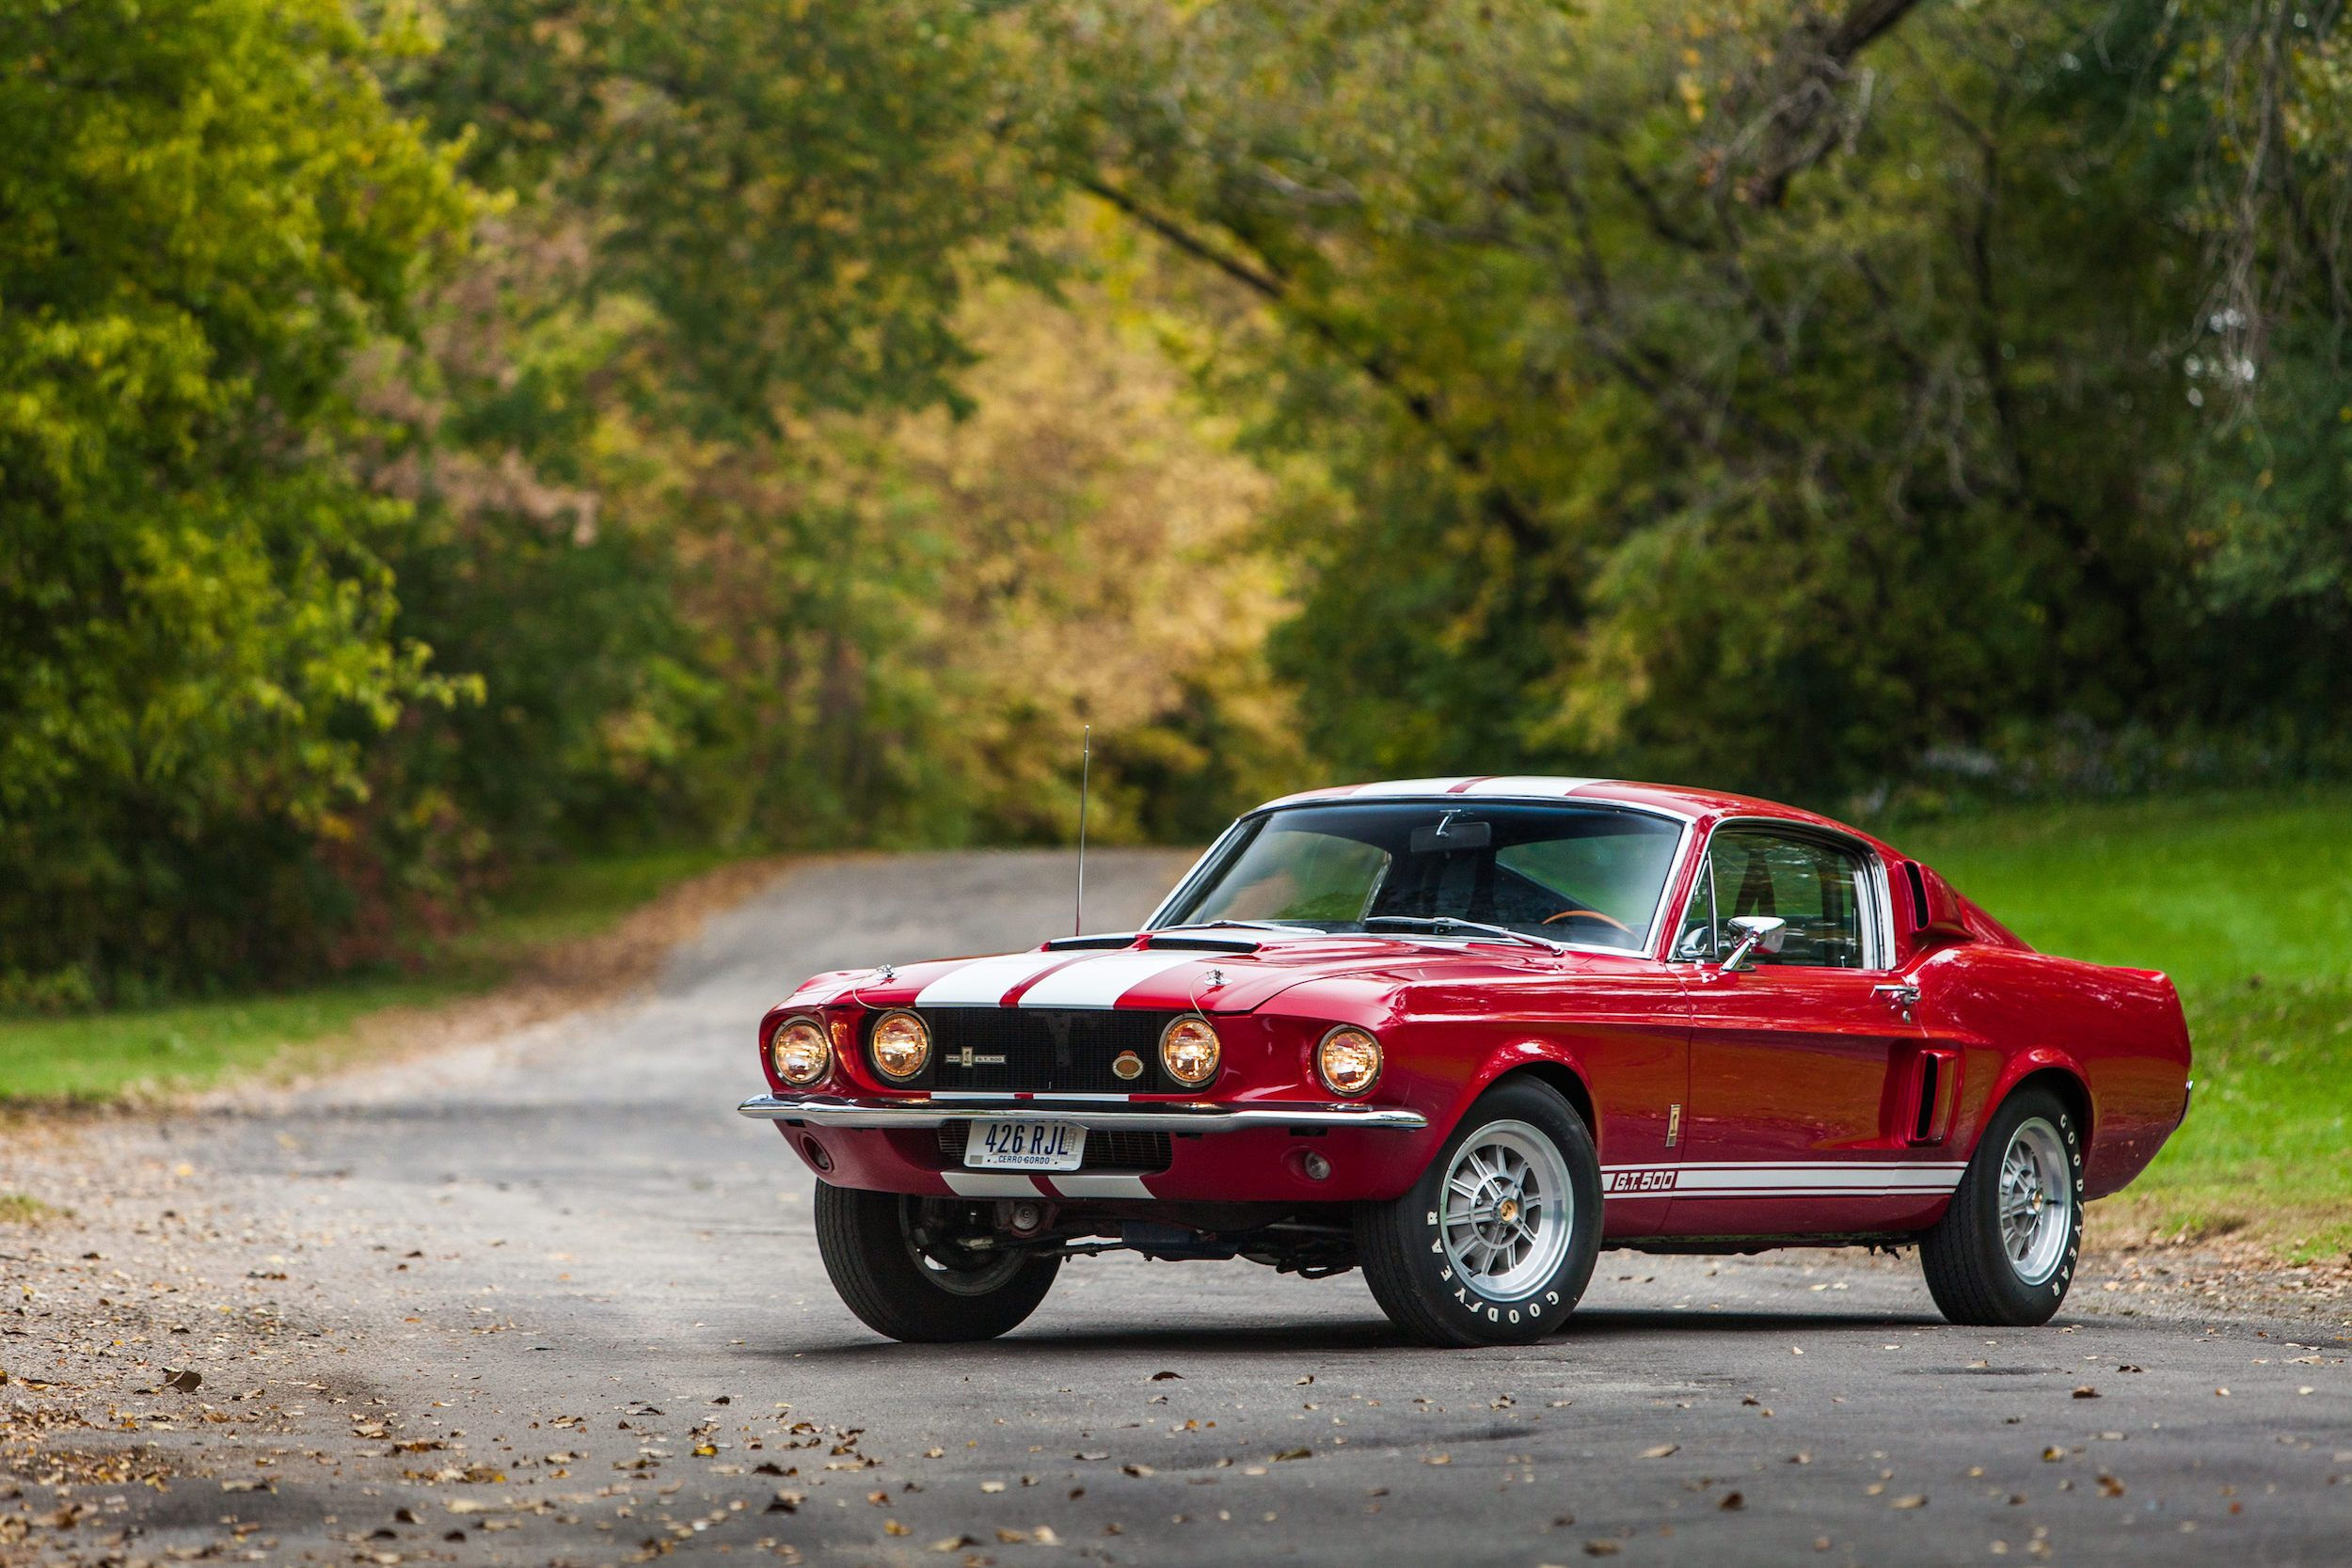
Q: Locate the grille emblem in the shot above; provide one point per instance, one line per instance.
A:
(968, 1058)
(1128, 1066)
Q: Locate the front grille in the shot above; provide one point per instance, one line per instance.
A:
(1107, 1149)
(1045, 1050)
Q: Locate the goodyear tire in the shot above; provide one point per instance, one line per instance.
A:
(896, 1264)
(1495, 1242)
(2004, 1253)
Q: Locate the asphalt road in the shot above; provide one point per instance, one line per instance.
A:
(552, 1295)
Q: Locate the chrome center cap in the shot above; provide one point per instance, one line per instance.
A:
(1510, 1209)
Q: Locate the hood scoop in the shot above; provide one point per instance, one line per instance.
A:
(1166, 942)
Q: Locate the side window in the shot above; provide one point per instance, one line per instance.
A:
(1813, 886)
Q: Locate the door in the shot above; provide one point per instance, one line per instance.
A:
(1797, 1060)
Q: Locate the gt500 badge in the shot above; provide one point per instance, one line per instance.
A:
(1642, 1181)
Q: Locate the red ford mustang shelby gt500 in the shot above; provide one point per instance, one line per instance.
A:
(1465, 1033)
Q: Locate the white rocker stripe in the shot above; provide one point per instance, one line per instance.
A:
(1101, 982)
(1781, 1178)
(981, 1183)
(983, 982)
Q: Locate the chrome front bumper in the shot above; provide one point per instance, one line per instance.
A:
(825, 1109)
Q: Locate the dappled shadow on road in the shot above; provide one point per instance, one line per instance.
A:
(1619, 1321)
(1594, 1327)
(1048, 1344)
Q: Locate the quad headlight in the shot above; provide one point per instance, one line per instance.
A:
(901, 1045)
(800, 1050)
(1348, 1061)
(1189, 1049)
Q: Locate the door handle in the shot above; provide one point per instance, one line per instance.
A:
(1904, 995)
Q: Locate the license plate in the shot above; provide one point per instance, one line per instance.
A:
(1024, 1146)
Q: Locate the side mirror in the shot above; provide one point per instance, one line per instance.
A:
(1766, 931)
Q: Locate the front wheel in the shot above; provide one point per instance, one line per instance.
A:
(1496, 1241)
(907, 1268)
(2005, 1251)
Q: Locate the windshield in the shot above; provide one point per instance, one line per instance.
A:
(1579, 874)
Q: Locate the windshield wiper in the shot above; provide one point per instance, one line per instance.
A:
(1240, 925)
(1446, 925)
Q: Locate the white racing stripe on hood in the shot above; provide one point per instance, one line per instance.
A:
(1101, 982)
(983, 982)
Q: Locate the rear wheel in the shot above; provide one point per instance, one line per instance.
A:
(904, 1266)
(1495, 1242)
(2004, 1253)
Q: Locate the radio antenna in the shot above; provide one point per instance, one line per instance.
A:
(1086, 767)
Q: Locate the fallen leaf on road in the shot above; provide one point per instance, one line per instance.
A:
(1043, 1535)
(1733, 1502)
(2086, 1391)
(1915, 1500)
(1011, 1537)
(2051, 1454)
(2110, 1486)
(786, 1502)
(1601, 1548)
(246, 1486)
(1439, 1459)
(1296, 1454)
(1662, 1450)
(1163, 1377)
(1137, 1470)
(955, 1543)
(991, 1486)
(186, 1379)
(892, 1527)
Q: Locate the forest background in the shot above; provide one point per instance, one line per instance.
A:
(444, 439)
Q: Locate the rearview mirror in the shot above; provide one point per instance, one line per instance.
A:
(1766, 931)
(1451, 833)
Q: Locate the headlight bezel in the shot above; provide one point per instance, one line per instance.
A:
(824, 1059)
(1379, 1060)
(873, 1046)
(1216, 1050)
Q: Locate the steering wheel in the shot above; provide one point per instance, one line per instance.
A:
(1609, 920)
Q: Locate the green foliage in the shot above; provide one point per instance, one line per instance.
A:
(204, 211)
(195, 1044)
(2246, 900)
(1766, 392)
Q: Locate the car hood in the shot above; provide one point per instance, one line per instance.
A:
(1236, 975)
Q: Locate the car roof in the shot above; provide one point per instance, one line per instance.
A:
(1674, 799)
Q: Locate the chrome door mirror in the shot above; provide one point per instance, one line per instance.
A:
(1766, 931)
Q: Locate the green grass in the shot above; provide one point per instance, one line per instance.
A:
(2246, 900)
(21, 1209)
(191, 1045)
